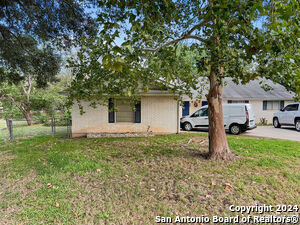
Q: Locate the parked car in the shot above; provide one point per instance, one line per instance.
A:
(237, 118)
(288, 116)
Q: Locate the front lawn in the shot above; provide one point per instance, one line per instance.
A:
(131, 180)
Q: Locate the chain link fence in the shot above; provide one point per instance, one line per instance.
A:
(12, 129)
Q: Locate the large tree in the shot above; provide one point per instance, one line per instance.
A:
(142, 42)
(39, 23)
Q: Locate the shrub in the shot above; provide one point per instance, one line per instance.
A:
(263, 121)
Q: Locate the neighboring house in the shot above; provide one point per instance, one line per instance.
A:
(157, 112)
(265, 103)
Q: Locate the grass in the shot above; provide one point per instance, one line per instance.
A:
(21, 130)
(131, 180)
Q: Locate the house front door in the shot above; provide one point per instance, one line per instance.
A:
(186, 108)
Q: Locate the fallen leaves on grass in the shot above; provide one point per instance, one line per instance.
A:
(228, 187)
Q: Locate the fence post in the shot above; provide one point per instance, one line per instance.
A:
(53, 126)
(70, 128)
(6, 119)
(10, 129)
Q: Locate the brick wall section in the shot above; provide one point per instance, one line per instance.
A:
(158, 115)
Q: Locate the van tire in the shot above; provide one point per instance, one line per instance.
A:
(276, 123)
(187, 126)
(297, 125)
(235, 129)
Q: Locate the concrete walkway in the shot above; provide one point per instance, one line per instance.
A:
(286, 133)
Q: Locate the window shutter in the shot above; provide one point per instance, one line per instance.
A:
(137, 113)
(265, 105)
(281, 104)
(111, 112)
(229, 101)
(246, 101)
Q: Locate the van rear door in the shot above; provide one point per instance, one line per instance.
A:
(251, 115)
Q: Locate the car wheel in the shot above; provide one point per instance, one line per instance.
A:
(187, 126)
(276, 123)
(235, 129)
(297, 125)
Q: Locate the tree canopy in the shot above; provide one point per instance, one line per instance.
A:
(255, 38)
(31, 30)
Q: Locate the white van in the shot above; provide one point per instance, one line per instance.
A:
(237, 118)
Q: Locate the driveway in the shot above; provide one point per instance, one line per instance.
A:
(287, 133)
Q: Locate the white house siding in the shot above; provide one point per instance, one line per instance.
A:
(159, 114)
(195, 105)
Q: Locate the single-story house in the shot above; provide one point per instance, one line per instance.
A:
(265, 103)
(158, 112)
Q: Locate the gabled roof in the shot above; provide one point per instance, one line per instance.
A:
(254, 90)
(251, 90)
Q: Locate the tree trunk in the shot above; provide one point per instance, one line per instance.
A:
(28, 118)
(218, 145)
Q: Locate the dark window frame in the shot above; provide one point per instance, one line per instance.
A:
(237, 101)
(112, 113)
(266, 102)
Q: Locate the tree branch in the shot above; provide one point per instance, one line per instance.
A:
(196, 27)
(27, 92)
(174, 42)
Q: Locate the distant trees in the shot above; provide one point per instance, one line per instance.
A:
(26, 97)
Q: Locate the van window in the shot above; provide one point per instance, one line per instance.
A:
(201, 112)
(195, 114)
(204, 112)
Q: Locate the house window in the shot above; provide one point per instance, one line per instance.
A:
(121, 111)
(272, 105)
(237, 101)
(124, 111)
